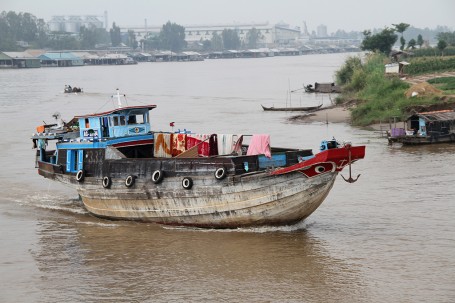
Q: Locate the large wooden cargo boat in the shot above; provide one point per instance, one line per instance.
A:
(124, 170)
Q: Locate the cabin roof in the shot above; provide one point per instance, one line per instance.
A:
(117, 110)
(58, 56)
(19, 55)
(440, 115)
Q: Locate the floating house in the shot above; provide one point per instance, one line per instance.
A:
(165, 56)
(141, 57)
(60, 59)
(18, 60)
(189, 56)
(426, 128)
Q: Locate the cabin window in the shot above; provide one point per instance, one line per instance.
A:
(122, 120)
(114, 121)
(87, 123)
(136, 119)
(131, 120)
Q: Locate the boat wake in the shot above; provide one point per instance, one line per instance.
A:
(300, 226)
(54, 203)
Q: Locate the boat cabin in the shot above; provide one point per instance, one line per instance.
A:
(121, 122)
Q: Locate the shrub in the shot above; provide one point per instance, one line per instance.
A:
(345, 73)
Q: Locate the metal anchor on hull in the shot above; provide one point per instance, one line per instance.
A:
(350, 179)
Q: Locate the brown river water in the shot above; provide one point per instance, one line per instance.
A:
(390, 237)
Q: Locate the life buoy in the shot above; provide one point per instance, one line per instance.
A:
(157, 176)
(80, 175)
(129, 181)
(187, 183)
(220, 173)
(107, 182)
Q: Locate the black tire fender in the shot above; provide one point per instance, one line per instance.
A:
(80, 175)
(157, 176)
(220, 173)
(187, 183)
(107, 182)
(129, 181)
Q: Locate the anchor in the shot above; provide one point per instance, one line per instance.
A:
(350, 179)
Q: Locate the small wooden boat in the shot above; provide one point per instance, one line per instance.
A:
(323, 88)
(292, 109)
(68, 89)
(123, 170)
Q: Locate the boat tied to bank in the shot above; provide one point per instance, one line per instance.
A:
(122, 169)
(425, 128)
(327, 88)
(293, 109)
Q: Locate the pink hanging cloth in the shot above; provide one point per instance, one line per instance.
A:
(259, 144)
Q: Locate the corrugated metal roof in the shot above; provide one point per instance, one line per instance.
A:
(118, 110)
(19, 55)
(440, 115)
(114, 56)
(59, 56)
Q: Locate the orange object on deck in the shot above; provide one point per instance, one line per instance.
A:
(40, 129)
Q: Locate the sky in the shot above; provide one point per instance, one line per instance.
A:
(349, 15)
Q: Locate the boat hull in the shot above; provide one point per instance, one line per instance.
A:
(422, 140)
(292, 109)
(252, 200)
(237, 205)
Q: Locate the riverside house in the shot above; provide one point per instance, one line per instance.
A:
(60, 59)
(18, 60)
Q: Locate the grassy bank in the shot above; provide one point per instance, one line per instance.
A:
(377, 97)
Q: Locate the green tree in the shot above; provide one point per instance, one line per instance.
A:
(63, 40)
(42, 36)
(412, 44)
(131, 39)
(441, 46)
(448, 37)
(401, 28)
(172, 37)
(419, 41)
(27, 29)
(19, 27)
(116, 39)
(216, 42)
(402, 42)
(253, 36)
(231, 39)
(381, 42)
(7, 40)
(345, 73)
(151, 42)
(206, 44)
(88, 37)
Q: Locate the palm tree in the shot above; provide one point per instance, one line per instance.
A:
(401, 28)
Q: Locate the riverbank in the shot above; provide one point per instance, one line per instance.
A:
(331, 114)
